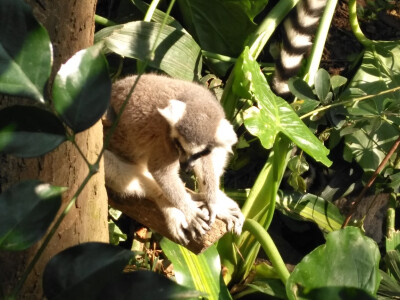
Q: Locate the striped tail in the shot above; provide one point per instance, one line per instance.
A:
(298, 27)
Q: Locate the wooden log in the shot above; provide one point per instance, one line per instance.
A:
(147, 213)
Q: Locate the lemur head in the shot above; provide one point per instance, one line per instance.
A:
(197, 127)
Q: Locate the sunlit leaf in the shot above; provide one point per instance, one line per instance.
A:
(379, 71)
(310, 208)
(29, 131)
(25, 52)
(26, 211)
(201, 272)
(176, 52)
(274, 114)
(82, 89)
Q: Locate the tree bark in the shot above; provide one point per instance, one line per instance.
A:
(71, 27)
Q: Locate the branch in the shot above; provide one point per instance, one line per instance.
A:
(147, 212)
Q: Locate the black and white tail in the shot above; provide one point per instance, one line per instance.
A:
(298, 27)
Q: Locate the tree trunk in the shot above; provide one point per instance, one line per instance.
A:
(71, 28)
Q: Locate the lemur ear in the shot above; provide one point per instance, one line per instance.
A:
(173, 112)
(225, 135)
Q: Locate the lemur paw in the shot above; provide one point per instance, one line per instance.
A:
(177, 224)
(197, 218)
(228, 211)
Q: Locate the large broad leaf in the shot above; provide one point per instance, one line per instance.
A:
(82, 89)
(29, 131)
(378, 118)
(348, 259)
(80, 272)
(221, 26)
(26, 211)
(311, 208)
(274, 114)
(176, 53)
(25, 52)
(201, 272)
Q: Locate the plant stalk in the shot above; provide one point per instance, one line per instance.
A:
(269, 247)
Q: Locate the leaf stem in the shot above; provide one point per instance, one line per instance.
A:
(103, 21)
(319, 42)
(370, 182)
(345, 102)
(355, 26)
(267, 27)
(151, 10)
(269, 247)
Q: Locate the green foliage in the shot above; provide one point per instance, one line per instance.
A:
(360, 111)
(177, 54)
(274, 115)
(25, 52)
(348, 259)
(310, 207)
(201, 272)
(221, 26)
(29, 131)
(82, 89)
(374, 122)
(26, 211)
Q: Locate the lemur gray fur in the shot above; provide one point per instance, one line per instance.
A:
(168, 124)
(298, 27)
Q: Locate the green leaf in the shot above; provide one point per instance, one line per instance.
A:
(221, 26)
(29, 131)
(268, 286)
(389, 287)
(82, 89)
(176, 53)
(201, 272)
(275, 114)
(348, 259)
(302, 90)
(337, 82)
(312, 208)
(298, 164)
(145, 285)
(322, 84)
(378, 117)
(80, 272)
(26, 211)
(392, 261)
(25, 52)
(370, 144)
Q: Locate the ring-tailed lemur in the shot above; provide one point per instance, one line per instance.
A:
(298, 27)
(170, 124)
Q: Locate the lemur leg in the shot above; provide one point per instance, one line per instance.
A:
(130, 179)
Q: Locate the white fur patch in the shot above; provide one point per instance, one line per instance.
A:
(290, 60)
(296, 39)
(174, 111)
(225, 135)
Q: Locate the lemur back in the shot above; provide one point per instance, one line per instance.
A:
(168, 123)
(298, 29)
